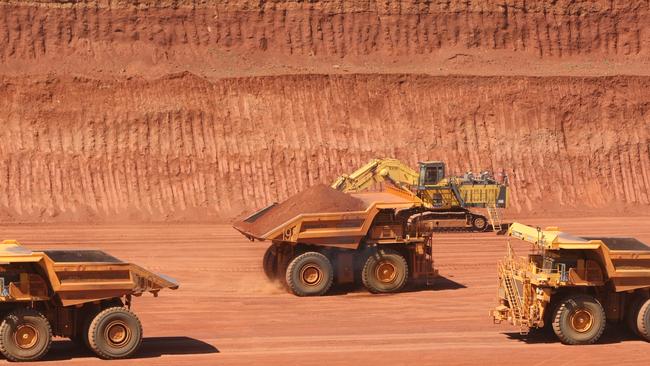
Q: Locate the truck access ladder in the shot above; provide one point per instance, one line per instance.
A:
(495, 218)
(513, 297)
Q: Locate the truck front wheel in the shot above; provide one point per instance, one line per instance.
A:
(25, 335)
(310, 274)
(384, 272)
(115, 333)
(579, 319)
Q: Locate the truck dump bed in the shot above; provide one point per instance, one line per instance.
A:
(627, 261)
(322, 215)
(74, 276)
(80, 275)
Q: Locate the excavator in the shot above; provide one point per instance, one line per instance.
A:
(450, 203)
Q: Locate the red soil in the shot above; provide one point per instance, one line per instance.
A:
(166, 110)
(183, 148)
(319, 198)
(225, 304)
(108, 39)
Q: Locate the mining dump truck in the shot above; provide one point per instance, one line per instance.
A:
(321, 236)
(575, 285)
(450, 203)
(84, 295)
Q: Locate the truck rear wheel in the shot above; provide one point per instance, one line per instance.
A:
(270, 263)
(479, 223)
(632, 313)
(81, 338)
(385, 272)
(310, 274)
(643, 321)
(25, 335)
(115, 333)
(579, 319)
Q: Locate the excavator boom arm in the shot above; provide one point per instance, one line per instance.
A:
(376, 171)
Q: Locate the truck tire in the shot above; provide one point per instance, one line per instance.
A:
(479, 223)
(310, 274)
(579, 319)
(643, 321)
(632, 313)
(25, 335)
(115, 333)
(81, 338)
(270, 263)
(385, 272)
(86, 316)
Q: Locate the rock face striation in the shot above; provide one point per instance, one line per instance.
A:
(204, 110)
(186, 148)
(240, 37)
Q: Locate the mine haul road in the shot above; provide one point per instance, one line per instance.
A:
(226, 313)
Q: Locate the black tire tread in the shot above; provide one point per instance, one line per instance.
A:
(557, 325)
(632, 313)
(20, 312)
(295, 287)
(269, 263)
(366, 275)
(92, 342)
(643, 328)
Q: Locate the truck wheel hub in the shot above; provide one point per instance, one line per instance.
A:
(311, 275)
(386, 272)
(26, 336)
(581, 320)
(117, 333)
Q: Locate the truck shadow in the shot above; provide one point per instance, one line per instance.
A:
(152, 347)
(440, 284)
(443, 283)
(613, 334)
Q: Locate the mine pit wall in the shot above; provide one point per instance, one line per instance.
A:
(185, 148)
(217, 37)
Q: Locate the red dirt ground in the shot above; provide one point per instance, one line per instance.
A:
(226, 313)
(179, 111)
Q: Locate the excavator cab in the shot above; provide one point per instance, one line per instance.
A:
(431, 172)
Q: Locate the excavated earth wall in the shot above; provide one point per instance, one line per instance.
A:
(243, 38)
(201, 110)
(185, 148)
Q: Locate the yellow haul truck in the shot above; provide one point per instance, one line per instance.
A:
(449, 203)
(575, 285)
(317, 244)
(81, 294)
